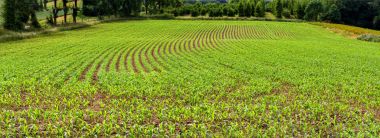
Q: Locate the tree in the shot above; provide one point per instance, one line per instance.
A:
(253, 7)
(33, 18)
(9, 15)
(45, 4)
(278, 8)
(241, 9)
(55, 12)
(333, 14)
(358, 12)
(75, 11)
(41, 5)
(300, 11)
(18, 12)
(65, 10)
(286, 13)
(231, 11)
(313, 10)
(376, 22)
(260, 10)
(89, 7)
(248, 9)
(195, 11)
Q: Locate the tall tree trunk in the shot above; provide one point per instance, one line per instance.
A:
(75, 11)
(55, 12)
(146, 7)
(45, 4)
(65, 10)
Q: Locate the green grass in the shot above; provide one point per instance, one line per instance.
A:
(191, 78)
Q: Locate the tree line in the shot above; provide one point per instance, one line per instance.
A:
(363, 13)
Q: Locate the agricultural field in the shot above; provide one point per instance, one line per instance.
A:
(191, 78)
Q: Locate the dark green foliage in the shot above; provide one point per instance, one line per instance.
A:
(260, 10)
(300, 11)
(65, 10)
(41, 5)
(216, 12)
(176, 12)
(55, 12)
(278, 8)
(22, 10)
(203, 11)
(248, 9)
(313, 10)
(50, 20)
(225, 9)
(253, 7)
(34, 20)
(376, 22)
(195, 12)
(185, 10)
(45, 4)
(9, 15)
(115, 7)
(19, 12)
(75, 11)
(333, 14)
(286, 13)
(241, 9)
(358, 12)
(231, 11)
(89, 7)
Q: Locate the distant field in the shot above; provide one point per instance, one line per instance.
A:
(191, 78)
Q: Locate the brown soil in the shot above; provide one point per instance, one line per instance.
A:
(110, 61)
(118, 60)
(141, 61)
(126, 58)
(134, 62)
(148, 59)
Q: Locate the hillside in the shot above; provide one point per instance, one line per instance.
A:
(191, 78)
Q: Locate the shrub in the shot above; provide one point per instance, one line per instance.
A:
(165, 16)
(369, 37)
